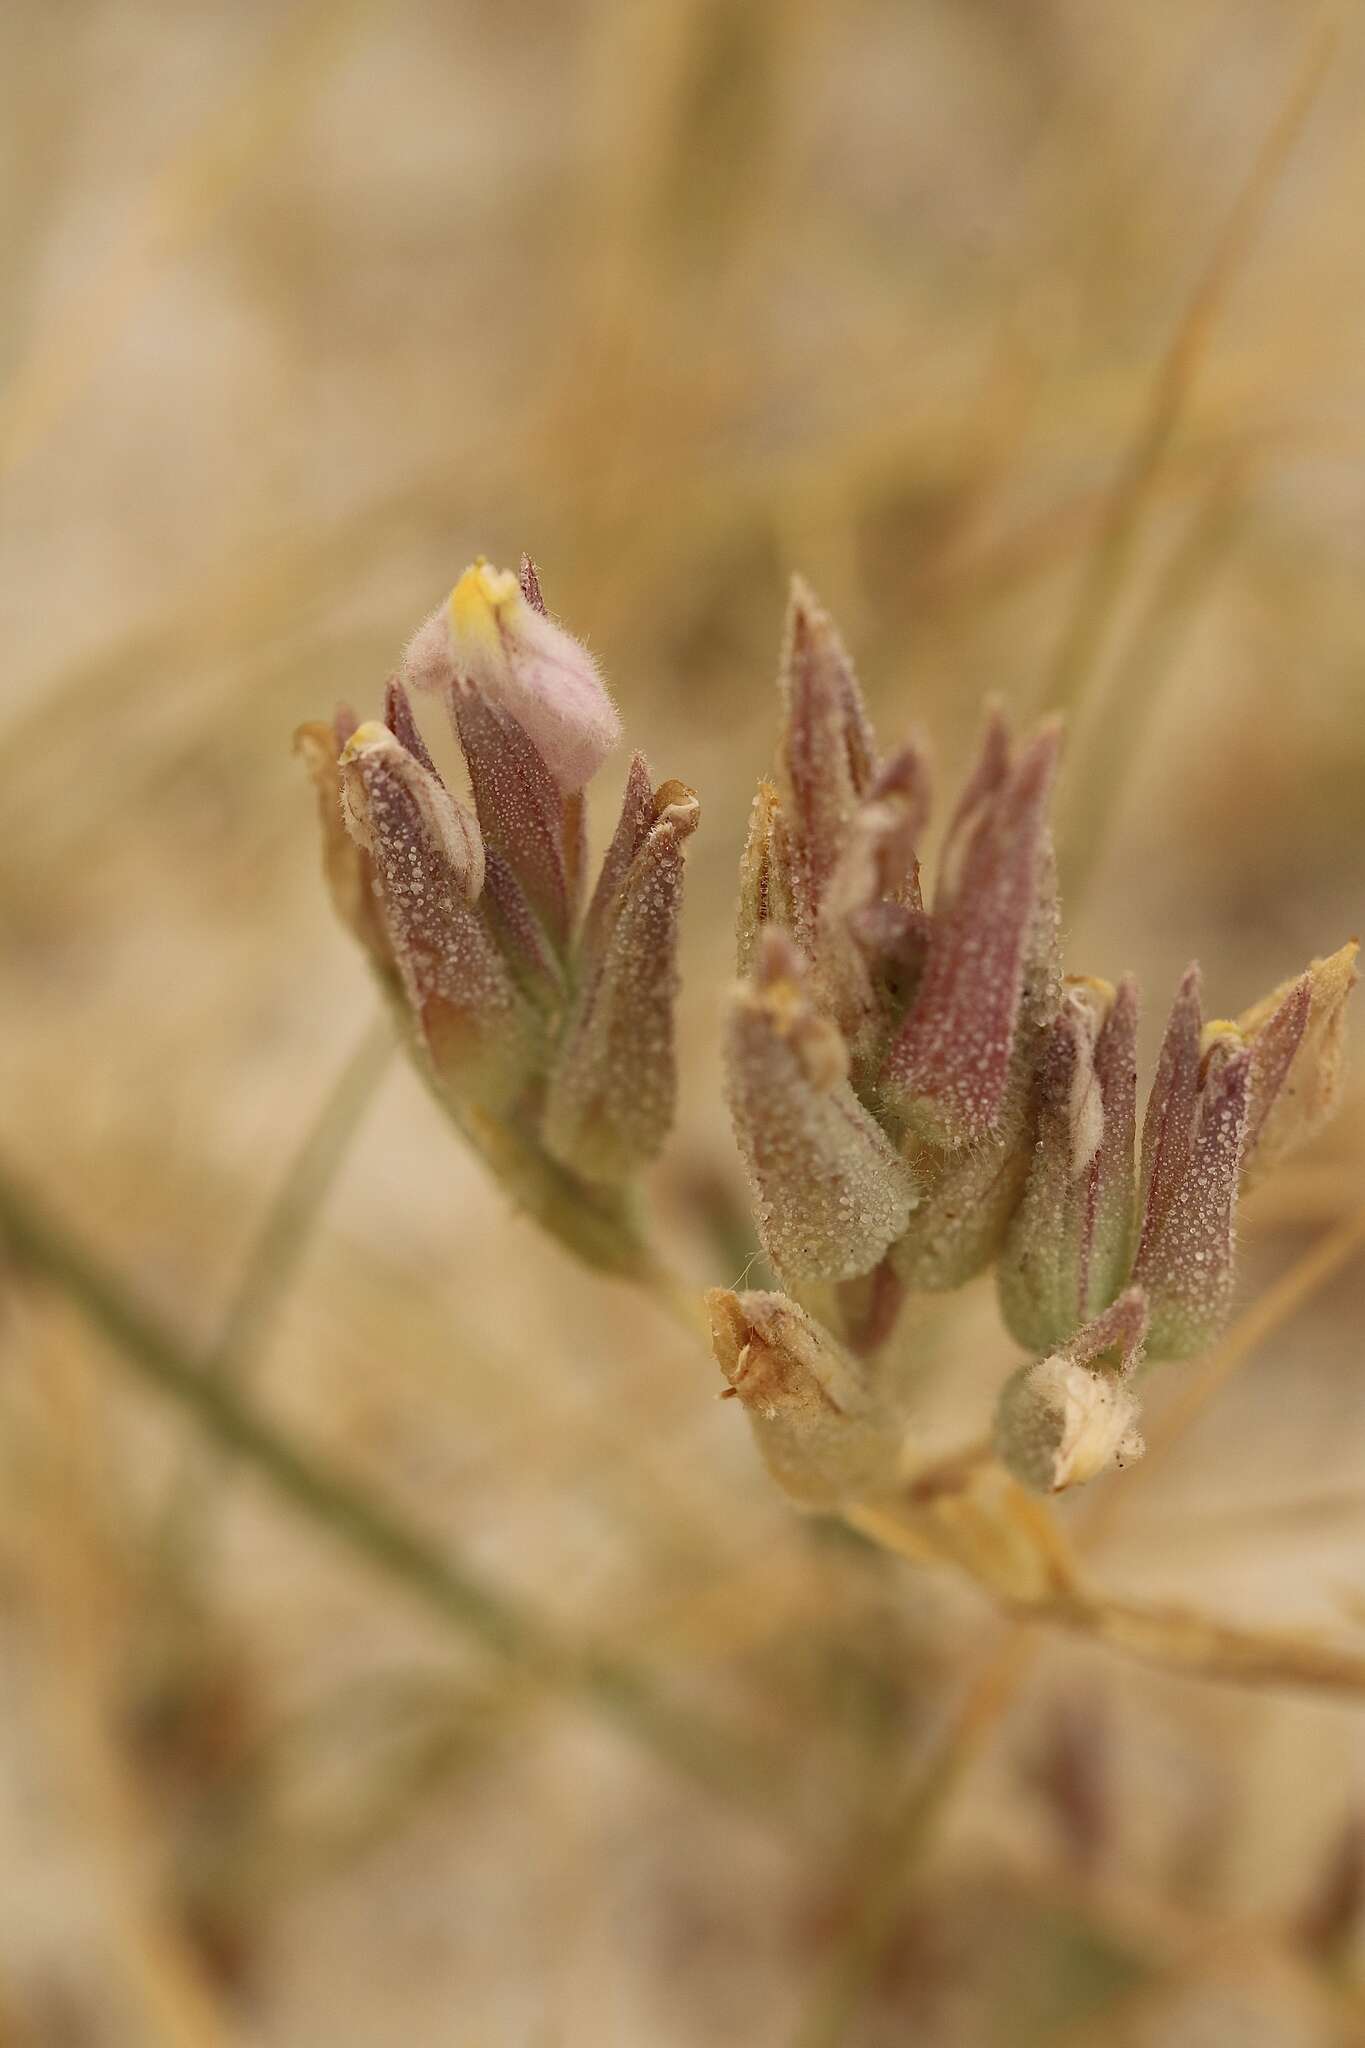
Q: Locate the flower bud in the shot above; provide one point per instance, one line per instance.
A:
(1191, 1158)
(610, 1098)
(428, 868)
(816, 1420)
(491, 635)
(1297, 1037)
(1069, 1244)
(830, 1192)
(949, 1070)
(1066, 1417)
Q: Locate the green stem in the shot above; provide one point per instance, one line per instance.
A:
(272, 1264)
(292, 1216)
(364, 1523)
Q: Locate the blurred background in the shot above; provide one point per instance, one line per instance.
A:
(1029, 333)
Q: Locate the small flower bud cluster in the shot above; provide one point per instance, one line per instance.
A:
(544, 1025)
(918, 1093)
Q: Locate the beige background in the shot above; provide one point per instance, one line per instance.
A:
(305, 305)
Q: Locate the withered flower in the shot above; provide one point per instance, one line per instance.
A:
(1297, 1039)
(824, 1432)
(1067, 1417)
(546, 1033)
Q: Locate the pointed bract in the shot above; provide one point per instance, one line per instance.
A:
(1112, 1184)
(826, 755)
(1041, 1276)
(814, 1412)
(399, 718)
(1168, 1123)
(536, 965)
(829, 1191)
(1186, 1250)
(530, 585)
(610, 1098)
(521, 811)
(1069, 1244)
(949, 1070)
(428, 868)
(970, 1191)
(348, 868)
(638, 813)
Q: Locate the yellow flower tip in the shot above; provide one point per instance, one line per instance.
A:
(1217, 1031)
(365, 737)
(1092, 985)
(1338, 973)
(479, 598)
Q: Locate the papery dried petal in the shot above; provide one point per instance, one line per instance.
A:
(814, 1410)
(769, 887)
(428, 867)
(872, 913)
(949, 1070)
(1186, 1253)
(830, 1192)
(610, 1099)
(1297, 1036)
(1065, 1418)
(878, 862)
(489, 634)
(827, 755)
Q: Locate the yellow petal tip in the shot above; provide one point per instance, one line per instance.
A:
(478, 598)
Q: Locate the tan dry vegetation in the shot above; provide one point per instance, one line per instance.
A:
(939, 303)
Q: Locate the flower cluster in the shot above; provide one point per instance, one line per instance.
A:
(919, 1093)
(917, 1089)
(543, 1022)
